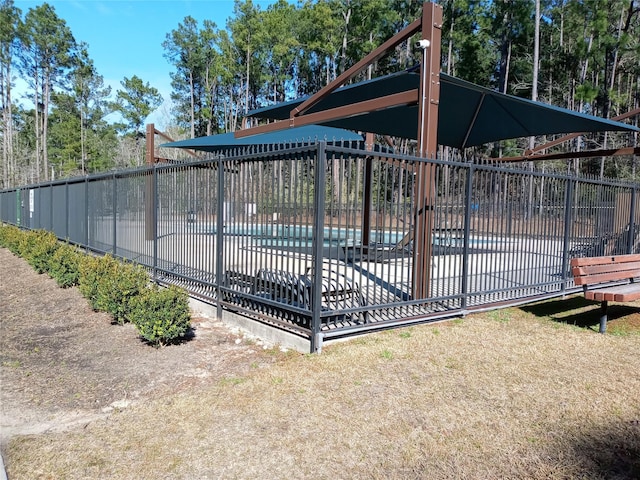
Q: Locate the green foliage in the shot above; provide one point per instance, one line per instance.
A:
(135, 102)
(264, 54)
(193, 56)
(36, 247)
(109, 284)
(26, 241)
(64, 266)
(10, 238)
(117, 289)
(90, 270)
(500, 316)
(39, 248)
(47, 55)
(586, 92)
(160, 315)
(122, 289)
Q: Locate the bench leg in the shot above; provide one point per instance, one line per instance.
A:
(603, 316)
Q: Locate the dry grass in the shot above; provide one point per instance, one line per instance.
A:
(505, 394)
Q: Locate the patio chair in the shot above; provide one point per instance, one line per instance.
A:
(295, 290)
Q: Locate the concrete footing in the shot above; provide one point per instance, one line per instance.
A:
(264, 332)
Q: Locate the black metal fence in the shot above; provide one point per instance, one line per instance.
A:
(321, 239)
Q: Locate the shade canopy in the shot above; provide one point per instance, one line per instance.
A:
(468, 114)
(291, 136)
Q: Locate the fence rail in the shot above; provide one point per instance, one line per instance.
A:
(320, 239)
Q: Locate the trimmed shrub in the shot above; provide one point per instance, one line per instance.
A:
(123, 282)
(26, 243)
(39, 249)
(161, 315)
(64, 266)
(109, 284)
(122, 289)
(90, 270)
(10, 238)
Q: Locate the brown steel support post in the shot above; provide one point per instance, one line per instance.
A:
(149, 211)
(428, 101)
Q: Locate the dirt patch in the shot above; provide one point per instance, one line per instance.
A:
(62, 363)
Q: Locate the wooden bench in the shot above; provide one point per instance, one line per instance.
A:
(596, 274)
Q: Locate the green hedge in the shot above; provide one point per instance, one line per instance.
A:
(122, 289)
(161, 315)
(109, 284)
(90, 272)
(10, 238)
(65, 266)
(37, 247)
(39, 250)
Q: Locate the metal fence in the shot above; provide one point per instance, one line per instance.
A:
(320, 240)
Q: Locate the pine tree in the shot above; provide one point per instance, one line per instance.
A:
(135, 102)
(10, 24)
(49, 49)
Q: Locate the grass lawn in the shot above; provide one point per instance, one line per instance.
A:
(530, 392)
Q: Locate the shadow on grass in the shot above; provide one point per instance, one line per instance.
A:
(577, 311)
(609, 452)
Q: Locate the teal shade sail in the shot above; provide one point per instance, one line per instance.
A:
(468, 114)
(290, 136)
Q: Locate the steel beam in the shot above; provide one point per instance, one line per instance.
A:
(372, 57)
(428, 99)
(427, 146)
(193, 153)
(410, 97)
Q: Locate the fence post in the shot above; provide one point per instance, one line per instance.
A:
(50, 229)
(114, 210)
(149, 214)
(154, 173)
(87, 213)
(318, 241)
(66, 210)
(18, 207)
(219, 278)
(464, 281)
(29, 219)
(41, 217)
(568, 220)
(632, 223)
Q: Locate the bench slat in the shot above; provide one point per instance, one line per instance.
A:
(622, 293)
(616, 267)
(577, 262)
(599, 295)
(627, 297)
(595, 270)
(605, 277)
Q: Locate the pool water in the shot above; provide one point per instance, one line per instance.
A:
(301, 236)
(279, 235)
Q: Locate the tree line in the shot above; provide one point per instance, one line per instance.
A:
(585, 53)
(64, 131)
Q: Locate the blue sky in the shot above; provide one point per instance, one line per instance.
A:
(125, 36)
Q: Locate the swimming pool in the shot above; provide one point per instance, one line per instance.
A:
(282, 235)
(278, 235)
